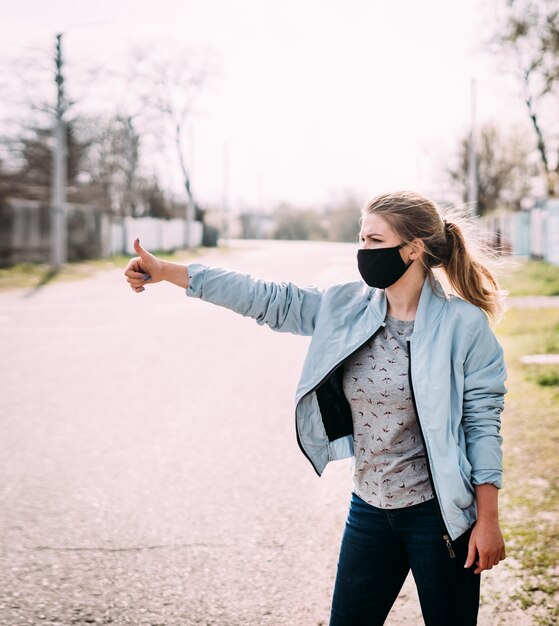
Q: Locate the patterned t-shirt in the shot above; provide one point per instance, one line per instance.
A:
(390, 468)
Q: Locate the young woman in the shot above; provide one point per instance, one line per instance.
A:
(406, 379)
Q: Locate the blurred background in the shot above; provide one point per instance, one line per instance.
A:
(276, 120)
(247, 135)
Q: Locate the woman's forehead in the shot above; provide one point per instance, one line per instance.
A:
(374, 225)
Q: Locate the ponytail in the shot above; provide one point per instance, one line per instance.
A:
(469, 276)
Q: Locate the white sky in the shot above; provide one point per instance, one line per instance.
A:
(312, 97)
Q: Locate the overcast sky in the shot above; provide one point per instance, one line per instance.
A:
(311, 97)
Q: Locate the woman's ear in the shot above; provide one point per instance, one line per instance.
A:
(417, 247)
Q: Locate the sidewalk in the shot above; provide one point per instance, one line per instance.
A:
(534, 302)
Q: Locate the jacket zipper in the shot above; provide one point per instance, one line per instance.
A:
(318, 385)
(446, 536)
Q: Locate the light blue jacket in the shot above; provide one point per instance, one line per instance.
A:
(457, 374)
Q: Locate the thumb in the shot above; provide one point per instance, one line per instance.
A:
(139, 250)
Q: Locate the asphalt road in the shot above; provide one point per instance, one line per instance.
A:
(149, 471)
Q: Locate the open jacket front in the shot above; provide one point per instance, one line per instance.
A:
(457, 373)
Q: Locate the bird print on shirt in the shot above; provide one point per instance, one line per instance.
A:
(377, 375)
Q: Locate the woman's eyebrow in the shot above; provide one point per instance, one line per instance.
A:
(372, 235)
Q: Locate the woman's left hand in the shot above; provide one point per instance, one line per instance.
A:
(487, 540)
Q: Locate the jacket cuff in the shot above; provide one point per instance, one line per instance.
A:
(196, 275)
(494, 477)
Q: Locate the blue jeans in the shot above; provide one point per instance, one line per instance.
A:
(379, 547)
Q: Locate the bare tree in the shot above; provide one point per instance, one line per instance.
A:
(27, 167)
(529, 36)
(168, 89)
(111, 163)
(27, 125)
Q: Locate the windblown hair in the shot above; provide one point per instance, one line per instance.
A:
(451, 242)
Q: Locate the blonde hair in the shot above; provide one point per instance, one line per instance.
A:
(452, 242)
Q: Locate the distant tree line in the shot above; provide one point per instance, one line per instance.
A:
(337, 221)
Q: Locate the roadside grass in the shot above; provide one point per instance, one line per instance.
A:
(33, 275)
(529, 277)
(529, 502)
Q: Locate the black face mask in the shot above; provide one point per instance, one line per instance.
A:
(381, 267)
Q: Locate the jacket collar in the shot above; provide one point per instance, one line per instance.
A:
(432, 301)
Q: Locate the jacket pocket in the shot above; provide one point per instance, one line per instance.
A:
(465, 469)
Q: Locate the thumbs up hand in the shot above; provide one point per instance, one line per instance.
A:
(145, 268)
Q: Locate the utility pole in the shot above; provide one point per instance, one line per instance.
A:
(225, 206)
(59, 236)
(472, 160)
(189, 215)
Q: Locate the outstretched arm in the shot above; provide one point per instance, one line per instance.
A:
(283, 306)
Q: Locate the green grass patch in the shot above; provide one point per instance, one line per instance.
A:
(535, 331)
(530, 278)
(544, 375)
(529, 502)
(548, 378)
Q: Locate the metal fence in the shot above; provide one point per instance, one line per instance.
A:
(154, 234)
(532, 234)
(25, 233)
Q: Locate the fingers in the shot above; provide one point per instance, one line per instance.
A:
(471, 553)
(482, 564)
(135, 274)
(137, 282)
(135, 266)
(137, 288)
(487, 546)
(488, 561)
